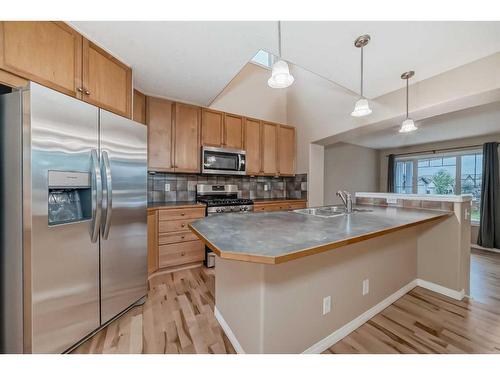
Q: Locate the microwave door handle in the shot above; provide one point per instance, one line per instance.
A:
(96, 196)
(109, 195)
(240, 162)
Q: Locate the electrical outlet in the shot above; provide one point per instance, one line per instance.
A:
(266, 187)
(167, 187)
(327, 305)
(366, 286)
(391, 200)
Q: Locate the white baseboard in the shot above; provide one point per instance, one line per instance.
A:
(354, 324)
(455, 294)
(343, 331)
(229, 333)
(492, 249)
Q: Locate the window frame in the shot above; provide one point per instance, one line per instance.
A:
(458, 167)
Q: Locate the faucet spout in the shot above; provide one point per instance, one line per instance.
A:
(346, 199)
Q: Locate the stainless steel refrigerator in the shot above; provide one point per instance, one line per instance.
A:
(73, 219)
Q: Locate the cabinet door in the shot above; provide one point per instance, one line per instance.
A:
(269, 148)
(187, 138)
(233, 131)
(159, 114)
(49, 53)
(107, 82)
(253, 146)
(286, 150)
(152, 241)
(212, 126)
(139, 114)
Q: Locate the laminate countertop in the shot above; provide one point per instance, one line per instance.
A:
(277, 237)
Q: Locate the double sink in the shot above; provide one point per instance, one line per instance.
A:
(329, 211)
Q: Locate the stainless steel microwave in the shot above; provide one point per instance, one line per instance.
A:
(215, 160)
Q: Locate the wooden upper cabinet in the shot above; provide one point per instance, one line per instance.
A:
(107, 82)
(253, 146)
(233, 131)
(286, 150)
(212, 127)
(269, 148)
(139, 113)
(187, 125)
(49, 53)
(159, 115)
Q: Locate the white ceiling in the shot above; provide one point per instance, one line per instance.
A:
(471, 122)
(194, 61)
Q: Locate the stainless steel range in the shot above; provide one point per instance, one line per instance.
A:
(220, 199)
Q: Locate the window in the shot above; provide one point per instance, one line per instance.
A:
(263, 58)
(447, 173)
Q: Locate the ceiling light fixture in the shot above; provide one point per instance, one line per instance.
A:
(280, 76)
(408, 125)
(362, 107)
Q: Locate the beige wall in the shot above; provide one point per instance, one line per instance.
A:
(426, 147)
(248, 94)
(349, 167)
(278, 308)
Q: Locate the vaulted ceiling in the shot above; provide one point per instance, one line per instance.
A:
(193, 61)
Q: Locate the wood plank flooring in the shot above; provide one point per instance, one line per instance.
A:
(426, 322)
(176, 318)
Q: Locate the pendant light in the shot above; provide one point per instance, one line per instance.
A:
(280, 76)
(408, 125)
(362, 107)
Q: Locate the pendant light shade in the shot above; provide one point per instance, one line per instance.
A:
(408, 124)
(362, 107)
(280, 76)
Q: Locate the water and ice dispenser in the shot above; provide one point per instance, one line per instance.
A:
(70, 197)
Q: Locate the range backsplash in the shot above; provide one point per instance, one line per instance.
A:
(183, 186)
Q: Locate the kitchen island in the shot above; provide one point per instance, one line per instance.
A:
(289, 282)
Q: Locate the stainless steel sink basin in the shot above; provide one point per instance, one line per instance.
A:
(328, 211)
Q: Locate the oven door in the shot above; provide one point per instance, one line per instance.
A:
(222, 161)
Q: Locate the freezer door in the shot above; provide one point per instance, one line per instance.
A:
(61, 261)
(123, 145)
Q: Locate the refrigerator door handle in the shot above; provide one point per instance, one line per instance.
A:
(108, 187)
(96, 196)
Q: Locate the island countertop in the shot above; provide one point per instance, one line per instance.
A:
(277, 237)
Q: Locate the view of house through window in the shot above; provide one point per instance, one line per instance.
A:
(447, 173)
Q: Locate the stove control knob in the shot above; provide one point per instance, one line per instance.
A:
(218, 210)
(244, 208)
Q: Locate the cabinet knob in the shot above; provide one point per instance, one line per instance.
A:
(182, 237)
(183, 225)
(183, 253)
(87, 92)
(79, 89)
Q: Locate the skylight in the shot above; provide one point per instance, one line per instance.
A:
(263, 58)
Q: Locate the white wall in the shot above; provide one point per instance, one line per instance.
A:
(349, 167)
(248, 94)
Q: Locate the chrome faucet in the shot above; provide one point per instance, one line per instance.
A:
(346, 199)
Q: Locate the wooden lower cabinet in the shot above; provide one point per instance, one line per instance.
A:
(279, 205)
(171, 242)
(181, 253)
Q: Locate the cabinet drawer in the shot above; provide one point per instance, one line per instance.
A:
(173, 237)
(174, 225)
(181, 253)
(182, 213)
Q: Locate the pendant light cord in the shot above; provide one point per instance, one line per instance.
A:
(279, 39)
(407, 98)
(361, 71)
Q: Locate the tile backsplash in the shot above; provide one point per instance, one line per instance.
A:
(182, 187)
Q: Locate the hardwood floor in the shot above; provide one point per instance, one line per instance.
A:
(426, 322)
(176, 318)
